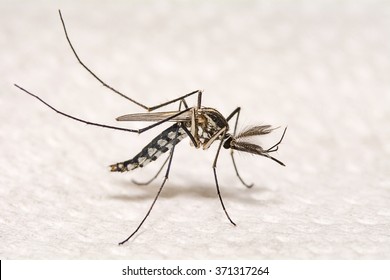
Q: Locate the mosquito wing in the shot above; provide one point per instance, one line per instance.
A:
(156, 116)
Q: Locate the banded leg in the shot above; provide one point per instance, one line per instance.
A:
(237, 112)
(158, 194)
(153, 178)
(216, 179)
(116, 91)
(139, 131)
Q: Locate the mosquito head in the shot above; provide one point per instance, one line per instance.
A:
(238, 142)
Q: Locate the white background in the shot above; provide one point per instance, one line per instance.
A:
(320, 67)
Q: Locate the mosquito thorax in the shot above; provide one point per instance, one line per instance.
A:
(209, 125)
(214, 118)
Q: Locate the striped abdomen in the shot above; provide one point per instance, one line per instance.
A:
(159, 145)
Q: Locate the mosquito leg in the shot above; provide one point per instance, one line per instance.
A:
(90, 71)
(147, 214)
(274, 148)
(111, 88)
(75, 118)
(199, 92)
(158, 193)
(199, 100)
(183, 101)
(139, 131)
(154, 177)
(237, 112)
(274, 159)
(216, 180)
(183, 125)
(237, 173)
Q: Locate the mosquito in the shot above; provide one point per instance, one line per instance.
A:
(203, 125)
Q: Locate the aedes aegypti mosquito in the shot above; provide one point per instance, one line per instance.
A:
(203, 125)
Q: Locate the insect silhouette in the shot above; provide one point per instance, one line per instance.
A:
(203, 126)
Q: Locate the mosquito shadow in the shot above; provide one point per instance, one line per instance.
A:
(171, 191)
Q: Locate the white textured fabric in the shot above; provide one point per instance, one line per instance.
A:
(319, 67)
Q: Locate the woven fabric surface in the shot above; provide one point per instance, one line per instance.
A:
(319, 67)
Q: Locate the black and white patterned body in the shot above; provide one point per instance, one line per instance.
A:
(159, 145)
(208, 125)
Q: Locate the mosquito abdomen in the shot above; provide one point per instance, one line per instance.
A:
(159, 145)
